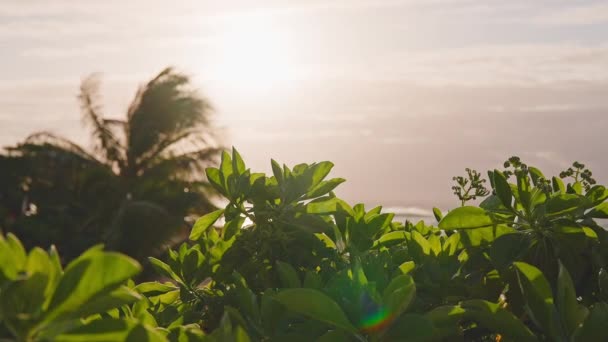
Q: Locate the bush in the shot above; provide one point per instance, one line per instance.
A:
(288, 260)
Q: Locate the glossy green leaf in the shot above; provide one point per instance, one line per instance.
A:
(496, 319)
(600, 211)
(407, 267)
(399, 294)
(438, 214)
(563, 204)
(535, 174)
(446, 320)
(571, 313)
(596, 195)
(164, 269)
(203, 223)
(101, 330)
(277, 171)
(466, 218)
(104, 302)
(503, 189)
(509, 248)
(91, 275)
(316, 305)
(483, 236)
(214, 178)
(558, 185)
(238, 165)
(324, 187)
(232, 227)
(539, 299)
(392, 238)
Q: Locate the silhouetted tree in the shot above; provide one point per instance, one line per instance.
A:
(132, 191)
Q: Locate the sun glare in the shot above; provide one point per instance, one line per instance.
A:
(252, 55)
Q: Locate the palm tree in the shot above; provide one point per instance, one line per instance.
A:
(136, 186)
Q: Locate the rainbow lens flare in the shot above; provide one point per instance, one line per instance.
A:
(376, 320)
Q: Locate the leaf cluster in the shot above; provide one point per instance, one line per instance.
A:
(286, 259)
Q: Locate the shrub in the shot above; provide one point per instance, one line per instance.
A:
(288, 260)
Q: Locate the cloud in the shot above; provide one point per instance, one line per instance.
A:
(591, 14)
(516, 64)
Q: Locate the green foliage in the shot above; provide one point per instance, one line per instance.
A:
(286, 259)
(131, 191)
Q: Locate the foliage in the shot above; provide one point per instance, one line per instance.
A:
(146, 169)
(286, 259)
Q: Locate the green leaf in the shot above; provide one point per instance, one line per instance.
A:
(320, 171)
(407, 267)
(576, 188)
(446, 320)
(102, 303)
(322, 206)
(451, 244)
(411, 327)
(164, 269)
(539, 299)
(375, 225)
(435, 244)
(536, 175)
(91, 275)
(399, 294)
(419, 243)
(594, 327)
(600, 211)
(572, 314)
(483, 236)
(563, 204)
(16, 247)
(491, 316)
(203, 223)
(558, 185)
(508, 248)
(226, 167)
(392, 238)
(232, 227)
(214, 178)
(596, 195)
(324, 187)
(466, 218)
(152, 289)
(288, 275)
(316, 305)
(21, 302)
(438, 214)
(238, 165)
(101, 330)
(277, 171)
(503, 189)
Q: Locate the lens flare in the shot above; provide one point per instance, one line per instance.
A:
(376, 320)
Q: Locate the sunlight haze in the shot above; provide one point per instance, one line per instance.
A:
(400, 95)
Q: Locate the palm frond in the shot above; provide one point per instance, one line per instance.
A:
(189, 165)
(47, 142)
(161, 114)
(106, 143)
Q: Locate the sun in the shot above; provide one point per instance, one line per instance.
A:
(252, 55)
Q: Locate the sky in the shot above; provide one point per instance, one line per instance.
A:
(400, 94)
